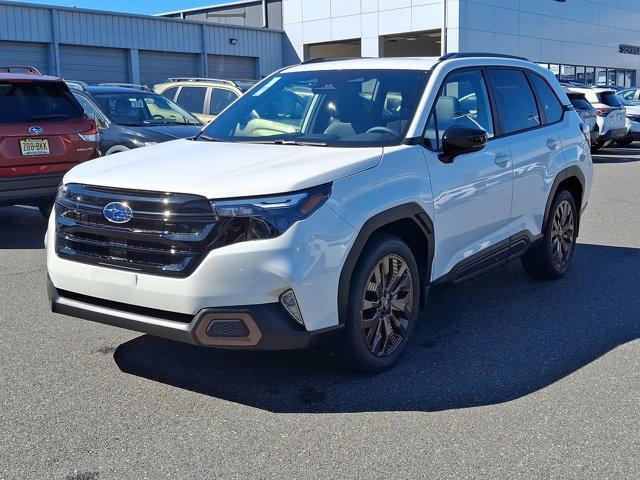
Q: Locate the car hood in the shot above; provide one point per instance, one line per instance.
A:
(164, 133)
(224, 170)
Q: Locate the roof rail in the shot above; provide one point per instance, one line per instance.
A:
(135, 86)
(199, 79)
(449, 56)
(327, 59)
(19, 69)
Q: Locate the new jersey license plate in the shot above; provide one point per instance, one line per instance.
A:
(34, 146)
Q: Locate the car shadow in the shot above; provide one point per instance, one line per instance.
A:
(491, 340)
(21, 228)
(616, 155)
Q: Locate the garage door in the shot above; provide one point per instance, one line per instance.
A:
(93, 64)
(156, 67)
(232, 68)
(25, 53)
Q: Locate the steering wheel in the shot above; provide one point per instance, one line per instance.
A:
(382, 130)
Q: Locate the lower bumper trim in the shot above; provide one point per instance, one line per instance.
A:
(269, 326)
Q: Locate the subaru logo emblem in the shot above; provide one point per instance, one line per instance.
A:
(36, 130)
(117, 212)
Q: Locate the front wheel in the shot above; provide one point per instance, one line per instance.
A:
(551, 257)
(384, 298)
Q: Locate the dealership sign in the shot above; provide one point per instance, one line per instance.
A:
(630, 49)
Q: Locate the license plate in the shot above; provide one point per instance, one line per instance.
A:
(34, 146)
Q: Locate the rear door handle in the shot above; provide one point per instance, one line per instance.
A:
(552, 143)
(501, 158)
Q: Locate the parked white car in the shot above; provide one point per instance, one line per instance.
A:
(632, 123)
(292, 221)
(611, 114)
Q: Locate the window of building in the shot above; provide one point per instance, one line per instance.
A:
(516, 103)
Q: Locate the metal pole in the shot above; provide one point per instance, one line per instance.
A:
(443, 32)
(265, 14)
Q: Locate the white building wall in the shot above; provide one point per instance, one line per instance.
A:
(317, 21)
(578, 32)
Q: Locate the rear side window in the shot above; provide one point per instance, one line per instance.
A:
(220, 99)
(552, 107)
(610, 99)
(515, 101)
(170, 93)
(33, 101)
(192, 99)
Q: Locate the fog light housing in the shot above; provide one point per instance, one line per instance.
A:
(290, 303)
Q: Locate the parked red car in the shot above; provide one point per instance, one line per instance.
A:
(43, 133)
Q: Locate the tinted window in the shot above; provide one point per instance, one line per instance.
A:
(192, 99)
(552, 107)
(142, 109)
(463, 101)
(610, 99)
(220, 99)
(515, 100)
(30, 101)
(581, 104)
(170, 93)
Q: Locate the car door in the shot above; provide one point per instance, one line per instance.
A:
(528, 114)
(472, 195)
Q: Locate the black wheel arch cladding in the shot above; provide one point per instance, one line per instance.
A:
(410, 212)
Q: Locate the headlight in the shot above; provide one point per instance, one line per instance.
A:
(267, 217)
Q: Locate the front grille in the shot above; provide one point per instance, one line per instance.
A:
(169, 233)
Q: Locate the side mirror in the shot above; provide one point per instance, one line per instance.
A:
(458, 140)
(102, 124)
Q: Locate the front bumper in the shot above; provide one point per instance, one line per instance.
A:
(256, 327)
(307, 259)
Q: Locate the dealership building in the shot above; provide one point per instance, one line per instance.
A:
(590, 41)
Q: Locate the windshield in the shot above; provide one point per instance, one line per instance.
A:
(334, 108)
(139, 109)
(31, 101)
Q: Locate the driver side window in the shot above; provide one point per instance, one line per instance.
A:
(463, 101)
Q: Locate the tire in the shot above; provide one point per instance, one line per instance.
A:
(624, 142)
(375, 348)
(45, 209)
(543, 260)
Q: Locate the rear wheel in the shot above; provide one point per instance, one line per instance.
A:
(550, 258)
(384, 299)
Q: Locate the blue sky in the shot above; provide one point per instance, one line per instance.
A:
(130, 6)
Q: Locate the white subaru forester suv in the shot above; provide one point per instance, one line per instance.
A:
(323, 204)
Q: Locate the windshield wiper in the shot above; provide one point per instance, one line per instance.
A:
(282, 141)
(48, 117)
(209, 138)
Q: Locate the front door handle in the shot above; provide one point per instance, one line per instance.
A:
(502, 158)
(552, 143)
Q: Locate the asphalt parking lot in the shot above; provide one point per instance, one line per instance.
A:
(506, 378)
